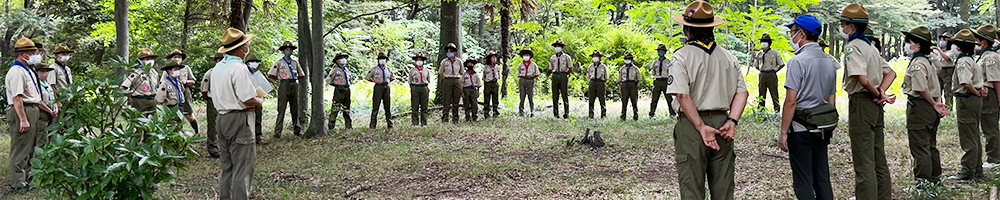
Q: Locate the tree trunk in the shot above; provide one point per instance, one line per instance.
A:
(482, 20)
(184, 19)
(996, 12)
(964, 13)
(121, 30)
(317, 122)
(305, 60)
(451, 32)
(236, 16)
(505, 23)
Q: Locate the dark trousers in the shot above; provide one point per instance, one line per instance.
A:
(287, 94)
(491, 96)
(418, 105)
(560, 88)
(341, 105)
(630, 93)
(866, 124)
(597, 90)
(921, 128)
(381, 95)
(698, 164)
(236, 142)
(944, 77)
(210, 115)
(990, 123)
(471, 97)
(969, 111)
(660, 88)
(257, 124)
(769, 82)
(526, 87)
(807, 153)
(451, 88)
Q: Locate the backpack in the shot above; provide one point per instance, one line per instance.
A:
(818, 120)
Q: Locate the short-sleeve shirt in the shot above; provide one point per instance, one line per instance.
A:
(60, 77)
(561, 62)
(169, 94)
(862, 59)
(813, 75)
(451, 68)
(660, 68)
(527, 69)
(939, 61)
(469, 79)
(990, 61)
(286, 69)
(420, 75)
(231, 85)
(629, 72)
(708, 73)
(206, 85)
(491, 73)
(142, 81)
(597, 71)
(186, 74)
(921, 76)
(966, 72)
(47, 94)
(769, 60)
(380, 74)
(339, 76)
(20, 81)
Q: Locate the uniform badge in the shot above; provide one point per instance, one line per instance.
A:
(284, 74)
(145, 88)
(670, 80)
(904, 85)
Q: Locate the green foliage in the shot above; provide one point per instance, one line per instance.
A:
(107, 150)
(923, 189)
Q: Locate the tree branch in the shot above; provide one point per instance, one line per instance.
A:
(359, 16)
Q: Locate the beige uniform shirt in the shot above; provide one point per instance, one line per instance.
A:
(451, 68)
(284, 71)
(561, 62)
(527, 69)
(939, 60)
(860, 58)
(420, 76)
(20, 81)
(206, 85)
(142, 82)
(599, 72)
(339, 76)
(186, 74)
(629, 72)
(768, 60)
(989, 60)
(168, 94)
(231, 85)
(921, 76)
(380, 74)
(966, 72)
(711, 79)
(469, 79)
(60, 77)
(491, 73)
(660, 68)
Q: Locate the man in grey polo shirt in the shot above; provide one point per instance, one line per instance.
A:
(811, 80)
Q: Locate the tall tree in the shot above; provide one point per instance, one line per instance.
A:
(505, 23)
(451, 32)
(121, 29)
(305, 59)
(964, 13)
(239, 15)
(317, 122)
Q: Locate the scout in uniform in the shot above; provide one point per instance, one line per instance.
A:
(419, 94)
(140, 85)
(186, 80)
(210, 112)
(968, 92)
(822, 44)
(990, 120)
(660, 70)
(381, 75)
(47, 108)
(597, 73)
(867, 76)
(470, 90)
(629, 76)
(924, 108)
(171, 92)
(942, 57)
(23, 96)
(340, 79)
(711, 96)
(561, 65)
(768, 62)
(287, 71)
(235, 98)
(527, 71)
(491, 91)
(450, 72)
(253, 64)
(62, 76)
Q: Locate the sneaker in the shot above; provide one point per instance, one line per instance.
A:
(961, 177)
(989, 165)
(214, 154)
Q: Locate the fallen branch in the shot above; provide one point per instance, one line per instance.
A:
(776, 156)
(362, 15)
(356, 189)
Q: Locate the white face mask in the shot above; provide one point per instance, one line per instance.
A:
(253, 65)
(420, 63)
(148, 62)
(176, 73)
(942, 44)
(526, 58)
(34, 59)
(907, 48)
(558, 49)
(842, 33)
(381, 61)
(766, 44)
(342, 61)
(595, 59)
(178, 60)
(795, 45)
(628, 61)
(64, 58)
(979, 48)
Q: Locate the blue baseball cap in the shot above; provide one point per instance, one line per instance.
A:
(807, 22)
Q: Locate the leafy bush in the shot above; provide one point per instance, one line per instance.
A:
(923, 189)
(103, 149)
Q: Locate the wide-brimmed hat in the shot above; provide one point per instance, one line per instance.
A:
(171, 63)
(558, 43)
(62, 48)
(341, 55)
(252, 58)
(945, 35)
(287, 44)
(419, 55)
(628, 55)
(987, 31)
(491, 53)
(177, 52)
(527, 51)
(24, 44)
(40, 46)
(381, 55)
(699, 14)
(964, 35)
(922, 33)
(467, 61)
(854, 12)
(232, 39)
(451, 46)
(765, 38)
(661, 47)
(869, 32)
(596, 53)
(44, 66)
(146, 53)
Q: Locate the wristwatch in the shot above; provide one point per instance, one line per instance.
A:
(735, 122)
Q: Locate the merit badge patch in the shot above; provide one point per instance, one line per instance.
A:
(904, 85)
(145, 88)
(284, 74)
(670, 79)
